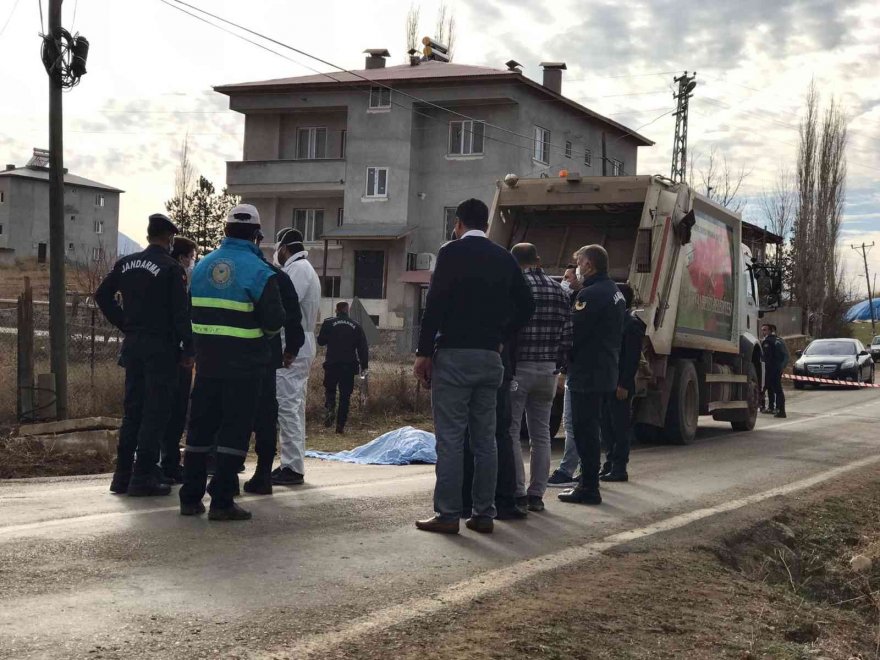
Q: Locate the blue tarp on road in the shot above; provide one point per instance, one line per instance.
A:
(399, 447)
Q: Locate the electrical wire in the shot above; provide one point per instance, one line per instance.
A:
(42, 22)
(8, 20)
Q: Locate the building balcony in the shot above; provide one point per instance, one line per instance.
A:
(253, 178)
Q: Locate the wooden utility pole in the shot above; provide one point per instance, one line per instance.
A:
(57, 280)
(864, 250)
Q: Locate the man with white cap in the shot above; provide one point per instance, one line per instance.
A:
(236, 309)
(291, 256)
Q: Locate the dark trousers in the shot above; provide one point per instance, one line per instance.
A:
(586, 416)
(266, 424)
(222, 413)
(149, 385)
(775, 395)
(339, 376)
(177, 420)
(616, 432)
(505, 487)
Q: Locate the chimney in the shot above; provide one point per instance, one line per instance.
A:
(553, 75)
(376, 58)
(10, 167)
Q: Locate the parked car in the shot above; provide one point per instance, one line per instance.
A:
(835, 359)
(875, 348)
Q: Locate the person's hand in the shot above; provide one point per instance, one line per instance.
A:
(287, 360)
(422, 370)
(187, 361)
(622, 393)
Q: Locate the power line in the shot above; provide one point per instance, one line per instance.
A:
(11, 14)
(42, 23)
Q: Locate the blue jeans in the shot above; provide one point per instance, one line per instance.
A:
(570, 458)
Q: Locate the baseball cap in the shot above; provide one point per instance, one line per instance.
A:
(245, 214)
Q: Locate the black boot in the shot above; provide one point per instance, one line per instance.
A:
(233, 512)
(261, 482)
(119, 484)
(147, 485)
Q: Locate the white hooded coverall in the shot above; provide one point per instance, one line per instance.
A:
(292, 382)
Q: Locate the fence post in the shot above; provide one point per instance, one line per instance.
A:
(25, 399)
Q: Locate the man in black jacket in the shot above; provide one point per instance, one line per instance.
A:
(283, 355)
(347, 355)
(616, 420)
(775, 355)
(597, 318)
(478, 297)
(154, 316)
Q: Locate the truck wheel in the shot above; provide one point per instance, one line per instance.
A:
(752, 395)
(684, 405)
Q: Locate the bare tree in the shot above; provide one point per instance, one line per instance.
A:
(445, 32)
(821, 184)
(412, 29)
(722, 184)
(185, 176)
(779, 204)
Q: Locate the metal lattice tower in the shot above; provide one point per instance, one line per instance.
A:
(686, 85)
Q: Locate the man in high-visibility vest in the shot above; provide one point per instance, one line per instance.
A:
(236, 309)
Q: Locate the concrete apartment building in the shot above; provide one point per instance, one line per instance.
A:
(91, 214)
(371, 164)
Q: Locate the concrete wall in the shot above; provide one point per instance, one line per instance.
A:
(25, 219)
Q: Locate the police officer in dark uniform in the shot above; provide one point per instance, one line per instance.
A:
(154, 316)
(597, 318)
(266, 419)
(347, 354)
(775, 359)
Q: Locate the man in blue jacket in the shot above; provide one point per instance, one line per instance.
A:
(597, 320)
(236, 309)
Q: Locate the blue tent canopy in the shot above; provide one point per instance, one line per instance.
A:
(862, 311)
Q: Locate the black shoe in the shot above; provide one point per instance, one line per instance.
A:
(287, 477)
(522, 502)
(147, 486)
(259, 484)
(560, 479)
(781, 415)
(173, 474)
(513, 513)
(119, 484)
(481, 525)
(194, 509)
(536, 503)
(606, 469)
(580, 496)
(234, 512)
(615, 476)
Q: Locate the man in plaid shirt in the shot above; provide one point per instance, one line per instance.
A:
(541, 350)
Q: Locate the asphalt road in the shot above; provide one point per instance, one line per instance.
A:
(87, 574)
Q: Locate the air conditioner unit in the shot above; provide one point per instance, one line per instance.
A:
(425, 261)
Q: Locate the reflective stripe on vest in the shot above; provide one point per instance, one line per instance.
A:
(222, 303)
(227, 331)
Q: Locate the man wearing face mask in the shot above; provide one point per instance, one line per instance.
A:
(291, 256)
(154, 317)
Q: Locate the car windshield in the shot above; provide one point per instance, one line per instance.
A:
(831, 348)
(876, 341)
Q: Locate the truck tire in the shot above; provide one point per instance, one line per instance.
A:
(684, 405)
(752, 395)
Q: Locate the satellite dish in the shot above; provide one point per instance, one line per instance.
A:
(690, 87)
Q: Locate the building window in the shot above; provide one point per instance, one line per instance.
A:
(70, 248)
(588, 158)
(448, 222)
(41, 253)
(339, 216)
(542, 145)
(97, 253)
(466, 137)
(2, 196)
(1, 230)
(310, 222)
(73, 218)
(330, 286)
(377, 182)
(99, 226)
(380, 97)
(369, 274)
(343, 138)
(616, 167)
(311, 143)
(99, 200)
(568, 149)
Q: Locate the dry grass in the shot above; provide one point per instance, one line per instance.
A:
(12, 279)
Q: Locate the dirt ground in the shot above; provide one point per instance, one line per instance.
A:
(764, 587)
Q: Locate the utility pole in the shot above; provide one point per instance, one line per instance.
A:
(57, 279)
(686, 85)
(864, 249)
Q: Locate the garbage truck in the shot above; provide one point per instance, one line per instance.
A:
(697, 288)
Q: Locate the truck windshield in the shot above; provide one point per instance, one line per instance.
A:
(831, 348)
(876, 341)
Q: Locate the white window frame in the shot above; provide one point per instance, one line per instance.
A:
(567, 149)
(588, 157)
(377, 103)
(375, 194)
(465, 138)
(309, 233)
(97, 253)
(312, 132)
(99, 200)
(616, 167)
(542, 145)
(340, 216)
(99, 226)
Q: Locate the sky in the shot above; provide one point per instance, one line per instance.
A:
(151, 70)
